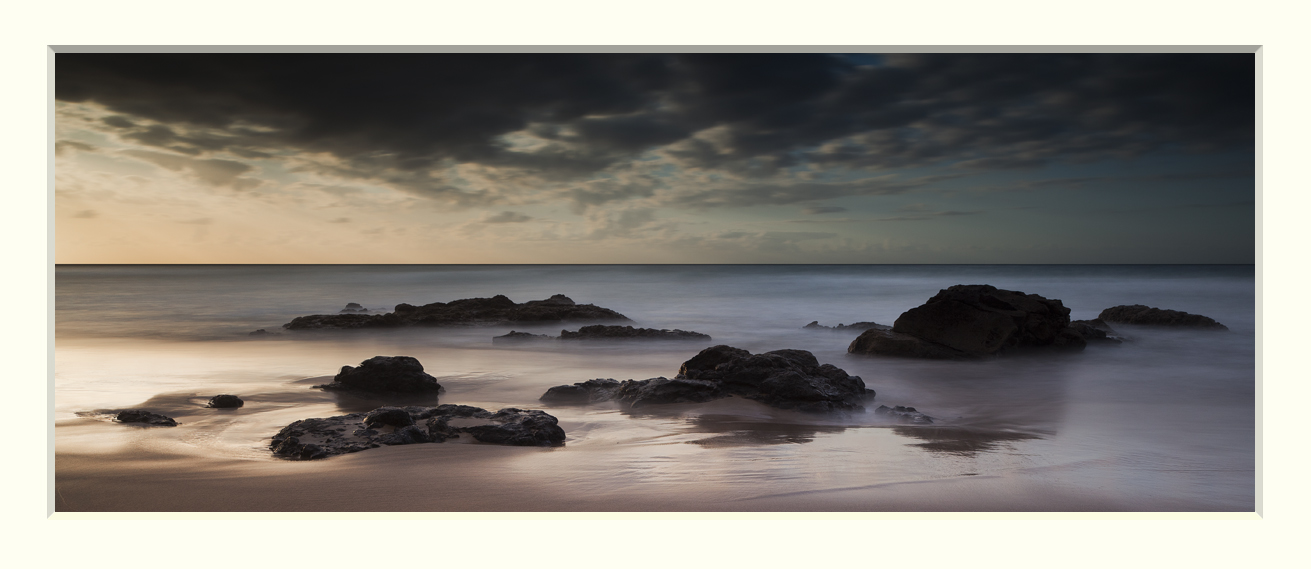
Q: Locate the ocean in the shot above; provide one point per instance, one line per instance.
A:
(1164, 422)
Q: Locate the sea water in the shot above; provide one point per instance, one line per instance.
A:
(1164, 421)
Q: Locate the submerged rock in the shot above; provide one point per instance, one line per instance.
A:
(145, 418)
(517, 337)
(387, 374)
(600, 332)
(353, 307)
(972, 321)
(787, 379)
(905, 414)
(225, 402)
(853, 327)
(1096, 331)
(1148, 316)
(320, 438)
(497, 310)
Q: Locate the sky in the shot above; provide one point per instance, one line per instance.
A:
(655, 158)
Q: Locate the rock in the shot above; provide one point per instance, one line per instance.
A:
(905, 414)
(519, 427)
(599, 332)
(392, 416)
(390, 374)
(309, 439)
(787, 379)
(853, 327)
(263, 332)
(1148, 316)
(590, 391)
(971, 321)
(353, 307)
(225, 402)
(1096, 331)
(144, 417)
(516, 337)
(497, 310)
(889, 343)
(659, 390)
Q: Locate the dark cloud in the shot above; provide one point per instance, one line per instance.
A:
(395, 118)
(507, 217)
(817, 210)
(63, 146)
(213, 171)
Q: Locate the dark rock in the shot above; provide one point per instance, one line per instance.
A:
(599, 332)
(905, 414)
(263, 332)
(1148, 316)
(516, 337)
(497, 310)
(659, 390)
(889, 343)
(391, 416)
(853, 327)
(353, 307)
(319, 438)
(520, 428)
(225, 402)
(787, 379)
(590, 391)
(390, 374)
(974, 321)
(144, 417)
(1095, 331)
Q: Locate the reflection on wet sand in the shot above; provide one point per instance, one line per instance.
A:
(961, 441)
(739, 431)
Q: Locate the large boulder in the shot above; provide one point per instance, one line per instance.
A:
(388, 426)
(386, 374)
(1148, 316)
(145, 418)
(787, 379)
(497, 310)
(603, 332)
(972, 321)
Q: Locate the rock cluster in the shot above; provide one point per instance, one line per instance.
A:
(385, 374)
(972, 321)
(320, 438)
(787, 379)
(144, 417)
(497, 310)
(1148, 316)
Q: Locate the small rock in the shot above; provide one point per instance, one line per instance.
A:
(515, 337)
(1148, 316)
(905, 414)
(145, 417)
(602, 332)
(225, 402)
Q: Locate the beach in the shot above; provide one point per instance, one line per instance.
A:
(1165, 422)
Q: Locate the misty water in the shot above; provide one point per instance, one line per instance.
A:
(1164, 422)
